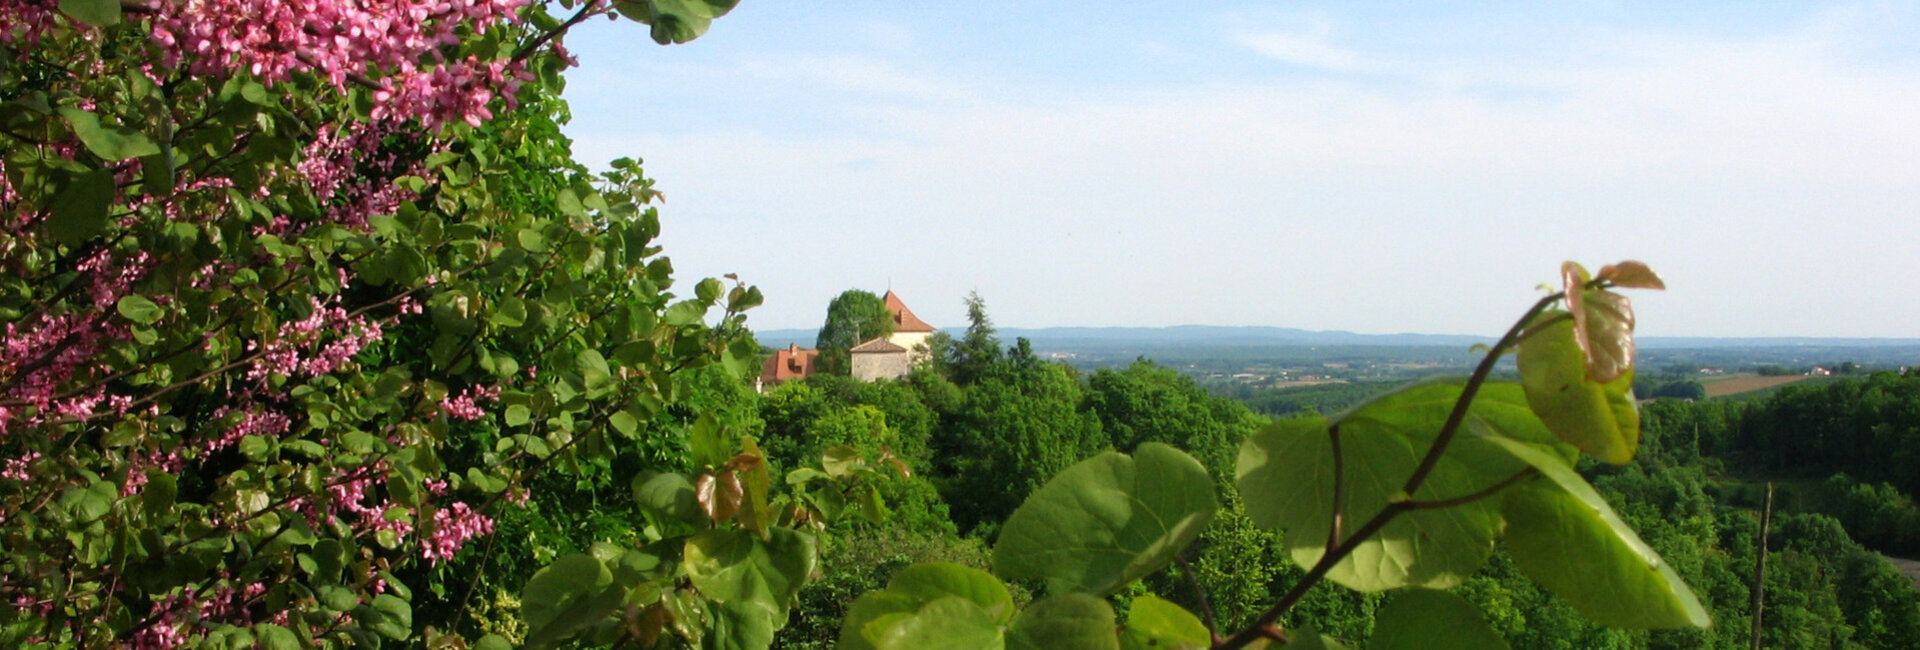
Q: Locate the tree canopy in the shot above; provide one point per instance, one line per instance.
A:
(853, 317)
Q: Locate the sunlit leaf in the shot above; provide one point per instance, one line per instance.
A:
(1064, 622)
(1563, 534)
(1107, 520)
(950, 623)
(110, 143)
(565, 597)
(736, 565)
(719, 494)
(918, 585)
(1601, 419)
(1153, 623)
(1602, 325)
(1286, 477)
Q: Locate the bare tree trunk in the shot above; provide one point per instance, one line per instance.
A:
(1760, 568)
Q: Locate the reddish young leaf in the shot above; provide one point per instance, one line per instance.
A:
(1631, 274)
(720, 495)
(1602, 322)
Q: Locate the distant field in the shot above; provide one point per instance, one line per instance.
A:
(1745, 383)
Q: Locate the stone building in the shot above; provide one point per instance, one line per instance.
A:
(880, 359)
(888, 357)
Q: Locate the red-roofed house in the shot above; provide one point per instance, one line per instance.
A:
(890, 357)
(786, 365)
(909, 332)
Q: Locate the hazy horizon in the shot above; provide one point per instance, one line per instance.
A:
(1373, 167)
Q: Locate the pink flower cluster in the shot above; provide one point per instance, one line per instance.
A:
(352, 169)
(43, 355)
(350, 497)
(285, 354)
(397, 42)
(26, 20)
(463, 407)
(175, 615)
(452, 527)
(16, 468)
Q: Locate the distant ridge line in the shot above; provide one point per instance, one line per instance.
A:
(1228, 335)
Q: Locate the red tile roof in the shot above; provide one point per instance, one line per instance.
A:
(791, 363)
(903, 318)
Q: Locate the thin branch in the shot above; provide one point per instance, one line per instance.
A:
(1206, 609)
(1467, 393)
(590, 9)
(1339, 488)
(1336, 553)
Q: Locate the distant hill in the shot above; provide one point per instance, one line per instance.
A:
(1213, 335)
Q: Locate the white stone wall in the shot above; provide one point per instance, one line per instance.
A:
(868, 366)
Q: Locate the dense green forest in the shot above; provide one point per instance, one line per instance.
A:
(982, 443)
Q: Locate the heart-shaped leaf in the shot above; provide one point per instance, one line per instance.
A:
(1107, 520)
(1286, 476)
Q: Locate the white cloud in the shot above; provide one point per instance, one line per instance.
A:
(1772, 179)
(1311, 47)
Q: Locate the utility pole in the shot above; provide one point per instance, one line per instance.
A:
(1760, 567)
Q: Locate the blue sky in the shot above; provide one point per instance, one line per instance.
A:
(1375, 167)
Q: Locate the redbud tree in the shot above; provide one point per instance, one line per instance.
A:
(300, 295)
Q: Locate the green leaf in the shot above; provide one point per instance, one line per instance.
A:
(684, 313)
(950, 623)
(274, 637)
(742, 626)
(1423, 619)
(625, 423)
(1064, 622)
(574, 592)
(679, 21)
(1286, 478)
(509, 312)
(569, 204)
(930, 581)
(708, 290)
(396, 617)
(1601, 419)
(838, 460)
(492, 642)
(112, 144)
(919, 585)
(735, 566)
(668, 495)
(98, 13)
(518, 415)
(593, 368)
(1108, 520)
(79, 210)
(1563, 534)
(140, 309)
(1154, 623)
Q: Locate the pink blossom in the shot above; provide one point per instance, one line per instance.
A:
(452, 527)
(463, 407)
(16, 468)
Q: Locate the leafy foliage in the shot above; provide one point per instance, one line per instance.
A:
(1410, 489)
